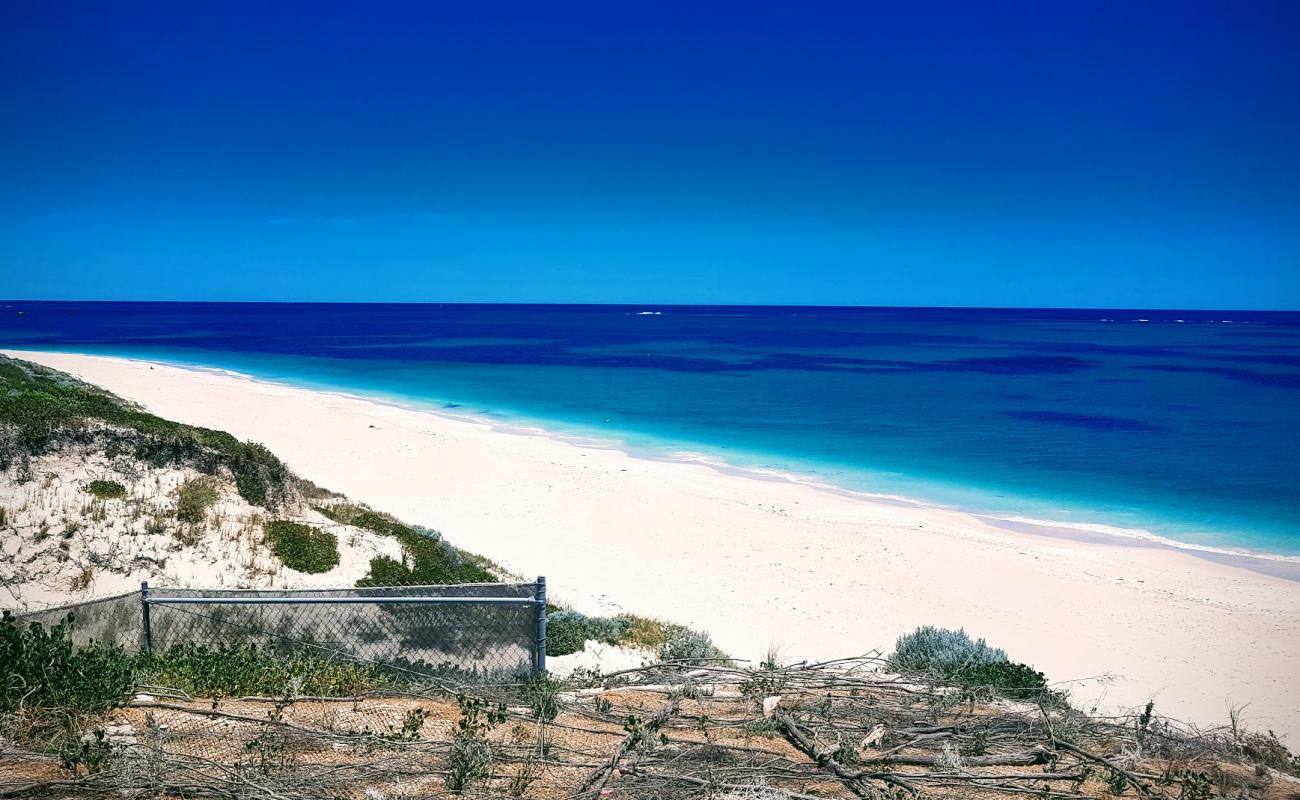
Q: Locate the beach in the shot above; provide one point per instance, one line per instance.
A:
(759, 560)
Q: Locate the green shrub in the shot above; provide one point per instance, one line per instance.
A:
(39, 668)
(1010, 678)
(568, 631)
(427, 559)
(303, 547)
(196, 497)
(227, 670)
(942, 652)
(685, 644)
(106, 490)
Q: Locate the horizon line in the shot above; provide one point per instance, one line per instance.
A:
(652, 305)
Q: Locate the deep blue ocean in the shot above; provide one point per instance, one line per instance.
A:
(1185, 424)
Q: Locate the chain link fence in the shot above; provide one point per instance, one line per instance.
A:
(467, 633)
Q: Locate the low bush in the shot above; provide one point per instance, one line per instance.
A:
(195, 498)
(40, 669)
(942, 652)
(568, 631)
(303, 547)
(252, 670)
(953, 655)
(685, 644)
(1010, 678)
(106, 490)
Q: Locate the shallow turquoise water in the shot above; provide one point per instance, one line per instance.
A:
(1185, 424)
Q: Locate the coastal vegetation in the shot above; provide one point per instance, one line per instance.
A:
(194, 498)
(211, 720)
(427, 559)
(568, 632)
(44, 410)
(106, 490)
(303, 547)
(954, 656)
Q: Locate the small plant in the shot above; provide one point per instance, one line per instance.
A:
(82, 580)
(302, 547)
(194, 499)
(542, 693)
(106, 490)
(412, 724)
(269, 753)
(642, 733)
(86, 756)
(472, 755)
(524, 778)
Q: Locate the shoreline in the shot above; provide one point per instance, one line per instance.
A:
(753, 556)
(1280, 565)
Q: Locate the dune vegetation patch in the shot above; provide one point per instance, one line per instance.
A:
(194, 499)
(954, 656)
(302, 547)
(427, 560)
(106, 490)
(568, 632)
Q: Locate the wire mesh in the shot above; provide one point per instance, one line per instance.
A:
(463, 641)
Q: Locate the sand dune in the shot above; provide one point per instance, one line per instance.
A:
(821, 573)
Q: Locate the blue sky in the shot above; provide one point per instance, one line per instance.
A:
(1001, 153)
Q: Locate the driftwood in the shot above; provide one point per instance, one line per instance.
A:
(596, 780)
(846, 729)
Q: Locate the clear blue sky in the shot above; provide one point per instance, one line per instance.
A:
(1059, 153)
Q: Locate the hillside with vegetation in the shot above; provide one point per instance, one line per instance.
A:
(97, 495)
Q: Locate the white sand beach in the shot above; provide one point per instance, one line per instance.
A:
(819, 572)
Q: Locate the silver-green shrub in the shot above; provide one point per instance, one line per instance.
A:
(684, 644)
(942, 651)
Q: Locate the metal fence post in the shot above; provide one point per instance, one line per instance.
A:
(541, 624)
(147, 643)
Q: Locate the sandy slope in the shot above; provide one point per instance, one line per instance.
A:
(756, 561)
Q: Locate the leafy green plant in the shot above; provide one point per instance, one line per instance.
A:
(472, 755)
(566, 632)
(222, 670)
(303, 547)
(88, 755)
(1010, 678)
(106, 490)
(40, 668)
(412, 724)
(543, 696)
(195, 498)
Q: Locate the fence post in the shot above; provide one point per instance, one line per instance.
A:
(541, 624)
(147, 643)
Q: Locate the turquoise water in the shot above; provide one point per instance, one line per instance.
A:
(1180, 423)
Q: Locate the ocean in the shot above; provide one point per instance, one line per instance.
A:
(1182, 425)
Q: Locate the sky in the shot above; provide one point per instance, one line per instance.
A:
(1046, 153)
